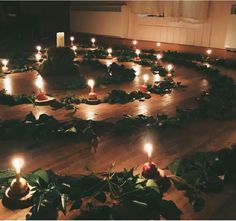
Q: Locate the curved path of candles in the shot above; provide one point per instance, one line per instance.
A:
(67, 157)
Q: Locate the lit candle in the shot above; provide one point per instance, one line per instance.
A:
(109, 51)
(74, 48)
(38, 57)
(39, 84)
(208, 51)
(72, 40)
(5, 69)
(7, 85)
(60, 39)
(18, 164)
(149, 169)
(93, 40)
(143, 87)
(159, 57)
(137, 51)
(158, 44)
(38, 48)
(169, 69)
(92, 94)
(135, 43)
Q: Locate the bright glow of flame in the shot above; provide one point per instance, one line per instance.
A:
(91, 83)
(39, 48)
(38, 57)
(74, 48)
(148, 148)
(39, 82)
(93, 40)
(158, 44)
(72, 38)
(145, 78)
(159, 56)
(135, 42)
(137, 51)
(18, 163)
(109, 50)
(209, 51)
(169, 67)
(5, 62)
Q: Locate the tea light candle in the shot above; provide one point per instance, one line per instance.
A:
(159, 57)
(92, 94)
(209, 51)
(60, 39)
(38, 48)
(109, 51)
(5, 62)
(72, 40)
(93, 40)
(135, 43)
(137, 52)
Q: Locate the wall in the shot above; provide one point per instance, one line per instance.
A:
(125, 24)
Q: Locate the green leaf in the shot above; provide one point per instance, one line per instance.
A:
(169, 210)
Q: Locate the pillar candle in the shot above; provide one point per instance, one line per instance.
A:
(60, 39)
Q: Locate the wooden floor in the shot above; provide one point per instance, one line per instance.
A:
(66, 157)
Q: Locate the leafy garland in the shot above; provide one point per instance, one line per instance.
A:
(124, 195)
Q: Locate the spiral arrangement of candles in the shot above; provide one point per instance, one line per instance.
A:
(17, 196)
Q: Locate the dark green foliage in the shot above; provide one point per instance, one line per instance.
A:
(60, 62)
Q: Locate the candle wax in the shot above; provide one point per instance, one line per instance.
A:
(92, 96)
(143, 88)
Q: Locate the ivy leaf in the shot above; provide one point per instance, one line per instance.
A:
(169, 210)
(76, 204)
(101, 196)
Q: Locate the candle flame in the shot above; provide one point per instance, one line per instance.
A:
(91, 83)
(145, 77)
(137, 51)
(5, 62)
(39, 48)
(39, 82)
(93, 40)
(159, 56)
(209, 51)
(18, 163)
(169, 67)
(158, 44)
(72, 38)
(109, 50)
(134, 42)
(148, 148)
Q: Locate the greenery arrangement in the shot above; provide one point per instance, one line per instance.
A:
(124, 195)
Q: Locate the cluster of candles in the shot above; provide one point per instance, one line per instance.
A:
(18, 195)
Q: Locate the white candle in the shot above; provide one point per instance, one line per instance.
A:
(72, 40)
(38, 57)
(60, 39)
(5, 63)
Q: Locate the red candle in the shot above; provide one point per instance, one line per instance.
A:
(143, 88)
(92, 96)
(41, 95)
